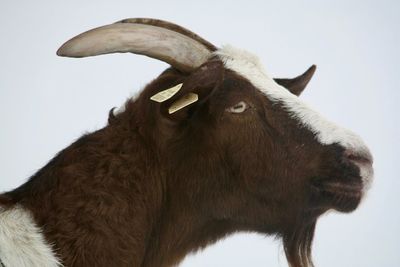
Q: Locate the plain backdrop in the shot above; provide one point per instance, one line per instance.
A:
(46, 102)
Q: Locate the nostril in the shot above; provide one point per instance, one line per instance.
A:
(359, 156)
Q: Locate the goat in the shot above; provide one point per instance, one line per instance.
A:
(210, 147)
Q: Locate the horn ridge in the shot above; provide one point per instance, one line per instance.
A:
(171, 26)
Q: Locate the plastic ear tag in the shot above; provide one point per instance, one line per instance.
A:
(166, 94)
(182, 102)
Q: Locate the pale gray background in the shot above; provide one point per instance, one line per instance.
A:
(46, 102)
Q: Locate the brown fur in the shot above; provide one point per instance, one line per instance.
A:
(150, 187)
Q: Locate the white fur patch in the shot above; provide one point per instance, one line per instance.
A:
(326, 132)
(21, 242)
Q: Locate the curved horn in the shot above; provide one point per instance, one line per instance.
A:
(161, 40)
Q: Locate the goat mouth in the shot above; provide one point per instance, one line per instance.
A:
(339, 195)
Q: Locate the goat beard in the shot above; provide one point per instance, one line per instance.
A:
(297, 244)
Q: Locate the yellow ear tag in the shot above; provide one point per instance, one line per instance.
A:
(166, 94)
(182, 102)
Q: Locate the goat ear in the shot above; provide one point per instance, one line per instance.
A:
(298, 84)
(183, 99)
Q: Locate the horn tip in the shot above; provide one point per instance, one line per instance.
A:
(69, 49)
(63, 51)
(60, 52)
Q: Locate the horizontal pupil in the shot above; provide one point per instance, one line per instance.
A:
(238, 107)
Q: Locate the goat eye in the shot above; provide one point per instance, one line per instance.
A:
(239, 107)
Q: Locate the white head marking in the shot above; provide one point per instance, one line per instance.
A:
(326, 132)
